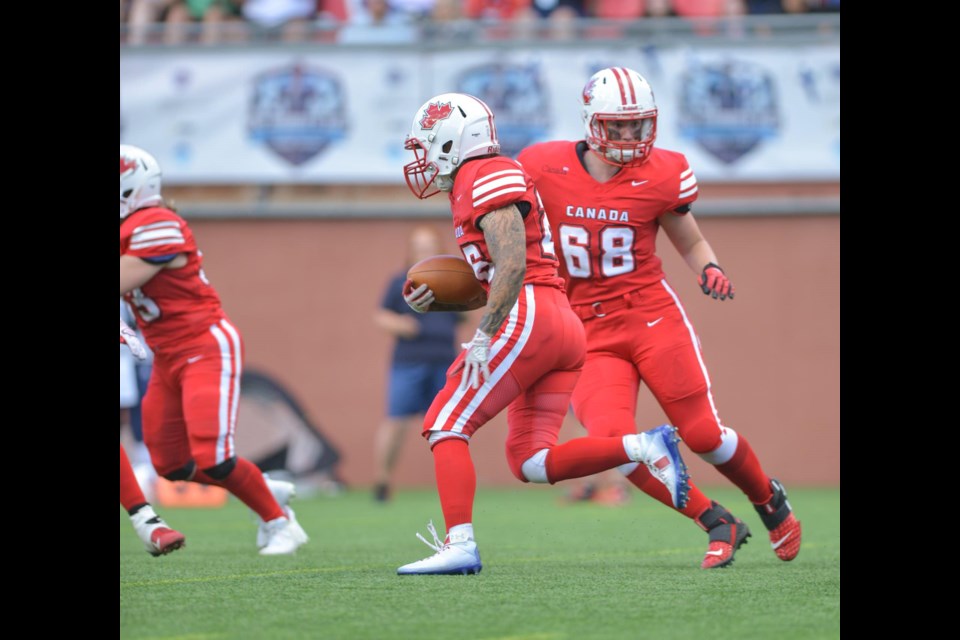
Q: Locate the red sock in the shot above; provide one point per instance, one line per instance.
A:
(744, 470)
(247, 483)
(583, 457)
(456, 480)
(697, 503)
(130, 494)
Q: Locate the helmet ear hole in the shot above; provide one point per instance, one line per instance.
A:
(447, 146)
(126, 194)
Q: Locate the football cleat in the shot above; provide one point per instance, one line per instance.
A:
(157, 537)
(777, 516)
(727, 534)
(458, 555)
(657, 449)
(282, 492)
(284, 536)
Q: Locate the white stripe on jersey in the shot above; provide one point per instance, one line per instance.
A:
(166, 224)
(156, 234)
(491, 176)
(477, 203)
(513, 180)
(684, 194)
(155, 243)
(689, 182)
(686, 173)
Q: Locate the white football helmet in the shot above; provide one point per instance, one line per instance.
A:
(139, 180)
(447, 130)
(610, 98)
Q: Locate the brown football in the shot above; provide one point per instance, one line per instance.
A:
(450, 277)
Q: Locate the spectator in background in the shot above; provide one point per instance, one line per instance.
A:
(447, 23)
(496, 10)
(178, 16)
(378, 24)
(776, 6)
(618, 9)
(288, 19)
(708, 8)
(425, 346)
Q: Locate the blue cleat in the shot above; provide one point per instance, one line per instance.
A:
(658, 450)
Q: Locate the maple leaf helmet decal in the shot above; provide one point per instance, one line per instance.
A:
(139, 180)
(447, 130)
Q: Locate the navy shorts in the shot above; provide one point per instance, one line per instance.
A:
(412, 387)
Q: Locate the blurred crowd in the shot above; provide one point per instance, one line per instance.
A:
(384, 21)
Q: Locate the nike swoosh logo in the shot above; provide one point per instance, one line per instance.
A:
(779, 543)
(637, 183)
(650, 324)
(718, 552)
(193, 359)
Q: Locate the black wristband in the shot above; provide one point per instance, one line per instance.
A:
(714, 265)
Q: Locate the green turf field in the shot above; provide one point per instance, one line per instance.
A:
(551, 572)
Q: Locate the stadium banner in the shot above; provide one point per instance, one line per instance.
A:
(340, 116)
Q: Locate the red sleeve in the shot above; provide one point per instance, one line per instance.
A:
(157, 232)
(687, 190)
(498, 183)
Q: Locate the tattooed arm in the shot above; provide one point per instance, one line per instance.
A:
(507, 241)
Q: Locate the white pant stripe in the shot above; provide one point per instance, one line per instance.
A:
(496, 374)
(237, 374)
(226, 379)
(696, 349)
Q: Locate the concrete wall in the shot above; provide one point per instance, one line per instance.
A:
(303, 294)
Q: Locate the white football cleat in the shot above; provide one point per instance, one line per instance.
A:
(157, 537)
(457, 555)
(282, 492)
(657, 449)
(284, 536)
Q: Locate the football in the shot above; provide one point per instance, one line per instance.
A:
(451, 279)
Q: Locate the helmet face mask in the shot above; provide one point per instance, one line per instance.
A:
(447, 130)
(619, 116)
(139, 180)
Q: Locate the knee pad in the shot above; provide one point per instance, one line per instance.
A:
(437, 436)
(222, 470)
(723, 453)
(534, 468)
(183, 473)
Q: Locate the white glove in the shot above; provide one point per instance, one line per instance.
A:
(418, 299)
(128, 337)
(475, 369)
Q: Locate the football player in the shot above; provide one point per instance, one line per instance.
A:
(190, 408)
(527, 353)
(607, 196)
(157, 537)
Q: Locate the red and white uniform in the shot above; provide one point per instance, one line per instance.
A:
(605, 235)
(537, 354)
(190, 408)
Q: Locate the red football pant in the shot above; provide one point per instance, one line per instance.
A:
(190, 415)
(654, 341)
(190, 408)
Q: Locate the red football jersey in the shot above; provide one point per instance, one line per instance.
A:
(488, 184)
(606, 232)
(176, 305)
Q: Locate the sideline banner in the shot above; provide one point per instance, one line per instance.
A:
(340, 116)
